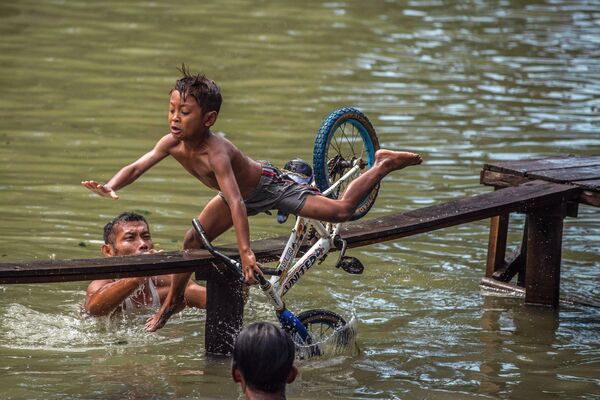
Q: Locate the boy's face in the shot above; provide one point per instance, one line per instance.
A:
(186, 118)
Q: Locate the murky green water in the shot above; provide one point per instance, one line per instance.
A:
(83, 90)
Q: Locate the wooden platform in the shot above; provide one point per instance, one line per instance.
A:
(537, 264)
(581, 172)
(546, 190)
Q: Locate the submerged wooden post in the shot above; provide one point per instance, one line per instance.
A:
(544, 242)
(224, 312)
(497, 244)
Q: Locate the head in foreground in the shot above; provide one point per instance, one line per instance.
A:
(263, 358)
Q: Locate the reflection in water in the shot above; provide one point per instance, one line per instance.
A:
(503, 325)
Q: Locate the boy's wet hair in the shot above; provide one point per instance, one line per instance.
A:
(264, 355)
(204, 90)
(109, 228)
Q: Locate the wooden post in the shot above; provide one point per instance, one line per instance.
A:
(497, 244)
(542, 268)
(224, 312)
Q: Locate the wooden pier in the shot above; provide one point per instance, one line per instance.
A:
(545, 190)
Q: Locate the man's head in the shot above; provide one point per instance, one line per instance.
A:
(263, 358)
(127, 234)
(194, 105)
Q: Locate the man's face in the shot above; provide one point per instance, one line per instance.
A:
(131, 238)
(186, 118)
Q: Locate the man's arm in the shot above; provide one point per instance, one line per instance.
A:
(229, 187)
(103, 296)
(131, 172)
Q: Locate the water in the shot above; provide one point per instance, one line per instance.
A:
(83, 91)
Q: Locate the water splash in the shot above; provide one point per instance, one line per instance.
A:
(340, 341)
(29, 329)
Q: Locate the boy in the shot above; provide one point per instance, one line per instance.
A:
(246, 187)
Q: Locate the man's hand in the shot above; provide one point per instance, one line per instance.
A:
(250, 267)
(100, 189)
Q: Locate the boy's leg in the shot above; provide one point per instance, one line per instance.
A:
(215, 218)
(340, 210)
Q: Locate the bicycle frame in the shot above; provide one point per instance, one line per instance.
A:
(326, 233)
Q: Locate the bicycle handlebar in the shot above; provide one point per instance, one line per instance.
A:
(234, 265)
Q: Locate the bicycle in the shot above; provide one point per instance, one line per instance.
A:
(345, 144)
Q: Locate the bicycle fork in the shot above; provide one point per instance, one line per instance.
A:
(288, 320)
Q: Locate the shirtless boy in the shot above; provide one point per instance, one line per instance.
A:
(129, 234)
(246, 187)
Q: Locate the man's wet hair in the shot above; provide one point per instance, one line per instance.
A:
(204, 90)
(264, 355)
(109, 228)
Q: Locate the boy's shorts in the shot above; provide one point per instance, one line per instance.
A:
(275, 191)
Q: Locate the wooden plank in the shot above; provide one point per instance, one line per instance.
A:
(87, 269)
(359, 233)
(525, 197)
(503, 180)
(527, 166)
(568, 174)
(592, 184)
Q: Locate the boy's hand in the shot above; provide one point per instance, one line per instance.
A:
(100, 189)
(250, 267)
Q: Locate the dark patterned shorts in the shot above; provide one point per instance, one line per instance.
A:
(276, 191)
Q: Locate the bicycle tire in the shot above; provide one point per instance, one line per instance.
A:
(336, 149)
(322, 323)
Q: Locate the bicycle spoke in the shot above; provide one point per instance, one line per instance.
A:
(347, 139)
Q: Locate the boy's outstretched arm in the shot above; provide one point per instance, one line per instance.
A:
(131, 172)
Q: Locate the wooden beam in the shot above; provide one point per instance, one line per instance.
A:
(525, 197)
(528, 196)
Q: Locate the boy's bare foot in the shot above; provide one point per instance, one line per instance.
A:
(393, 160)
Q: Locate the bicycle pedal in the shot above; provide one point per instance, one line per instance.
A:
(351, 265)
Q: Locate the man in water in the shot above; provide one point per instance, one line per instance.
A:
(129, 234)
(263, 361)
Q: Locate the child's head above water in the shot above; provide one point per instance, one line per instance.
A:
(204, 90)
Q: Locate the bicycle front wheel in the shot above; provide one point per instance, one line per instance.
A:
(345, 138)
(321, 324)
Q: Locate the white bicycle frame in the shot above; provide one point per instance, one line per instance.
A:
(325, 233)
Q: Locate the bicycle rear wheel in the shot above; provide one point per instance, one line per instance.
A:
(345, 137)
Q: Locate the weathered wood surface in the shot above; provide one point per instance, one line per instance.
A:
(528, 196)
(525, 167)
(583, 172)
(525, 197)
